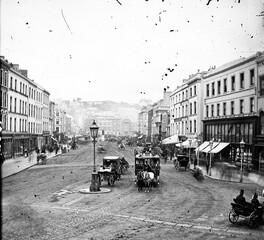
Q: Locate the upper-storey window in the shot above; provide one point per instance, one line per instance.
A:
(207, 111)
(194, 107)
(261, 85)
(224, 108)
(207, 90)
(242, 80)
(252, 77)
(241, 106)
(213, 89)
(218, 109)
(15, 84)
(194, 91)
(11, 82)
(212, 110)
(219, 87)
(190, 92)
(233, 82)
(225, 85)
(252, 104)
(232, 106)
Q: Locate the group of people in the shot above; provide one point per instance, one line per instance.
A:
(240, 199)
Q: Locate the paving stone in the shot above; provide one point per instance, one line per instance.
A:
(153, 221)
(183, 225)
(170, 223)
(237, 232)
(202, 227)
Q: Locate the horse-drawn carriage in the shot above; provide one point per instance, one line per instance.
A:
(147, 170)
(124, 165)
(181, 161)
(110, 171)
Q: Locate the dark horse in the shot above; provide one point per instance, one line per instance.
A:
(140, 181)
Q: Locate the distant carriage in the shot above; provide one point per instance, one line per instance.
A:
(124, 165)
(148, 164)
(181, 161)
(110, 171)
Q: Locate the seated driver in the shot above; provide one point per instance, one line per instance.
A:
(240, 199)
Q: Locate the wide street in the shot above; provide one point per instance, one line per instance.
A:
(44, 202)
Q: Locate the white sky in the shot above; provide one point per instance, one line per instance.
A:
(102, 55)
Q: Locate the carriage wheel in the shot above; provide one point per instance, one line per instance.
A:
(233, 217)
(253, 220)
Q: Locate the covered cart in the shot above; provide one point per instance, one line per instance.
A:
(110, 171)
(181, 161)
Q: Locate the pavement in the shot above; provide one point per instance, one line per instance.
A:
(18, 164)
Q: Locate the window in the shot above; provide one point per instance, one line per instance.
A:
(218, 109)
(186, 94)
(207, 90)
(252, 77)
(190, 126)
(232, 107)
(57, 122)
(15, 105)
(194, 107)
(242, 80)
(225, 85)
(182, 110)
(20, 87)
(2, 76)
(219, 87)
(207, 111)
(15, 125)
(10, 124)
(213, 89)
(11, 82)
(10, 104)
(212, 110)
(194, 91)
(224, 108)
(252, 104)
(261, 86)
(190, 92)
(15, 84)
(190, 108)
(241, 106)
(233, 82)
(194, 126)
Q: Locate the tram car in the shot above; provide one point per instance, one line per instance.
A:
(150, 163)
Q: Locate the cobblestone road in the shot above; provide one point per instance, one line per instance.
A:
(44, 202)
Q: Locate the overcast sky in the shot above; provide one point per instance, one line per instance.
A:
(120, 50)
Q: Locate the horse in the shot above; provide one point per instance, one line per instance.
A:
(140, 181)
(148, 180)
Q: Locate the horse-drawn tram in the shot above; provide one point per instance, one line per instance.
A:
(110, 171)
(147, 170)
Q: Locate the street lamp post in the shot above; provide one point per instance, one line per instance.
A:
(199, 141)
(242, 146)
(190, 143)
(95, 185)
(210, 164)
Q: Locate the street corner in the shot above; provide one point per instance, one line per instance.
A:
(101, 191)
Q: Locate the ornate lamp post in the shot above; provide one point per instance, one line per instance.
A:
(242, 146)
(95, 186)
(199, 142)
(190, 143)
(210, 163)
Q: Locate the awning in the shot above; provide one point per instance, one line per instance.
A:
(171, 140)
(219, 147)
(186, 144)
(202, 146)
(208, 148)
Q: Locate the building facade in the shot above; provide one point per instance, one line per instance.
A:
(233, 106)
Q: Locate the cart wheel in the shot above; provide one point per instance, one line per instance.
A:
(233, 217)
(112, 181)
